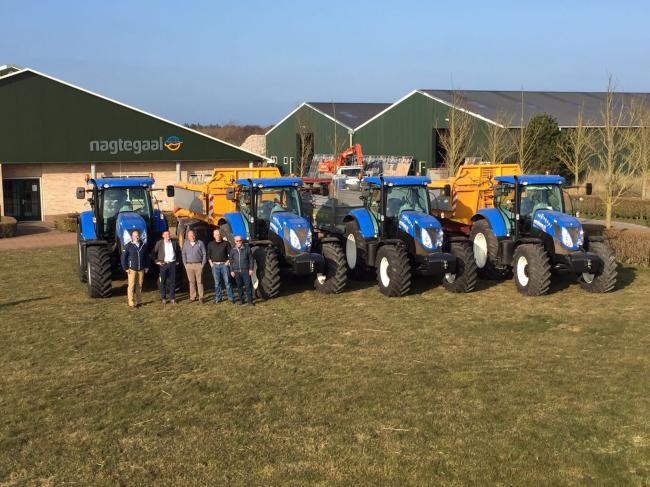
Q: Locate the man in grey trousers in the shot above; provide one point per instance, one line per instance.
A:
(194, 258)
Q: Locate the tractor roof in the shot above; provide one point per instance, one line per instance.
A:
(270, 182)
(124, 182)
(398, 180)
(531, 179)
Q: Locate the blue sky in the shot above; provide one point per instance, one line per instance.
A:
(253, 61)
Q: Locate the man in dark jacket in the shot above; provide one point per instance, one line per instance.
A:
(241, 268)
(218, 253)
(166, 255)
(135, 261)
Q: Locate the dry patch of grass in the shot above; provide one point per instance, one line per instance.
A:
(487, 388)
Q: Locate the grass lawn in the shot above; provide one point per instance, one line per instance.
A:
(432, 389)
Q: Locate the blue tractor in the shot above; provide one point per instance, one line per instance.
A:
(529, 232)
(118, 205)
(395, 235)
(270, 216)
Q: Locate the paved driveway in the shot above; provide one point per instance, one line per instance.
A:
(37, 234)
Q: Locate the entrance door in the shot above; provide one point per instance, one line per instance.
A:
(22, 199)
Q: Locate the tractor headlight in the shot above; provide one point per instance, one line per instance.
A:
(567, 241)
(293, 239)
(581, 238)
(308, 239)
(426, 238)
(440, 237)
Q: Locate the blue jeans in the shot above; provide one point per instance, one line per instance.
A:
(219, 272)
(243, 280)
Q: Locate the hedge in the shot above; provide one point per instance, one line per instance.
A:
(67, 223)
(629, 208)
(631, 246)
(8, 227)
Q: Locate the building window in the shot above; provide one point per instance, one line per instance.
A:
(274, 159)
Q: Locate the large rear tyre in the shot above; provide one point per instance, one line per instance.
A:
(605, 280)
(226, 233)
(266, 272)
(532, 270)
(356, 252)
(334, 278)
(466, 276)
(99, 271)
(393, 271)
(485, 247)
(81, 251)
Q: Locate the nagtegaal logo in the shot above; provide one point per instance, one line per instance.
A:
(173, 143)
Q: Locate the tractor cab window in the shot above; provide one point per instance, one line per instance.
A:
(272, 200)
(374, 202)
(504, 200)
(406, 198)
(117, 200)
(539, 197)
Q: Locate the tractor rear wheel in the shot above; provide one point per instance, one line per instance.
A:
(466, 275)
(605, 280)
(226, 233)
(393, 270)
(485, 247)
(356, 251)
(334, 278)
(532, 270)
(98, 258)
(266, 272)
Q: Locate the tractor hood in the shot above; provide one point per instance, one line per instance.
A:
(126, 222)
(566, 229)
(426, 229)
(293, 229)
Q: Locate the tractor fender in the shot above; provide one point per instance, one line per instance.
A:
(237, 224)
(495, 219)
(367, 224)
(87, 226)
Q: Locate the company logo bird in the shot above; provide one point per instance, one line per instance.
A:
(173, 143)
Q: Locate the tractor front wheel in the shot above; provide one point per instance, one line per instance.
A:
(466, 275)
(334, 278)
(393, 271)
(98, 258)
(603, 281)
(266, 272)
(532, 270)
(356, 251)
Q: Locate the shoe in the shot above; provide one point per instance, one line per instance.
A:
(217, 302)
(131, 306)
(191, 300)
(251, 304)
(164, 301)
(172, 301)
(200, 300)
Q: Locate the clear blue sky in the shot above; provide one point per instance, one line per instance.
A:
(252, 61)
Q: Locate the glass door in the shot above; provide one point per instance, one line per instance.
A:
(22, 199)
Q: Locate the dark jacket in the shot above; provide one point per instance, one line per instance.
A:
(158, 253)
(135, 257)
(218, 251)
(241, 259)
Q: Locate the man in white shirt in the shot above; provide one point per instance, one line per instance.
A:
(166, 255)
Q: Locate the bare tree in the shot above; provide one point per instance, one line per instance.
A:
(526, 139)
(499, 142)
(614, 157)
(457, 138)
(641, 146)
(576, 147)
(305, 137)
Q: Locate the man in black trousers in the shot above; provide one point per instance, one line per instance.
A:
(241, 269)
(166, 254)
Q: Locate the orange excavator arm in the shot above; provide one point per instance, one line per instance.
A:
(330, 166)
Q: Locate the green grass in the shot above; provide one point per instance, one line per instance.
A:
(433, 389)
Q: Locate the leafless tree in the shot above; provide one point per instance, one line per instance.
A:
(641, 145)
(615, 143)
(526, 139)
(576, 147)
(457, 138)
(306, 142)
(499, 144)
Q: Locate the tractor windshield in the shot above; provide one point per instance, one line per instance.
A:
(403, 198)
(115, 200)
(271, 200)
(540, 197)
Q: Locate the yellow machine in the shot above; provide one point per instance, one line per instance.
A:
(207, 201)
(469, 191)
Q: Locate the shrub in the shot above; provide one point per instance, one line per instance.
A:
(66, 223)
(631, 246)
(8, 227)
(630, 208)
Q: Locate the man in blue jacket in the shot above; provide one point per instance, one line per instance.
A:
(135, 261)
(241, 268)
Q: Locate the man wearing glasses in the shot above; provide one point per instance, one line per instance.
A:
(241, 269)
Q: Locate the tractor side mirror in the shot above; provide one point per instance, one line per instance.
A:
(230, 194)
(81, 193)
(588, 188)
(170, 191)
(447, 190)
